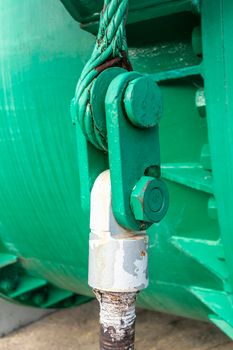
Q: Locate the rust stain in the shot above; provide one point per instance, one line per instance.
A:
(118, 61)
(113, 62)
(143, 253)
(108, 339)
(125, 62)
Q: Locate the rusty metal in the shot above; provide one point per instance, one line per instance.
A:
(117, 320)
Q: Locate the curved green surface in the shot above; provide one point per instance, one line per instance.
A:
(43, 228)
(42, 54)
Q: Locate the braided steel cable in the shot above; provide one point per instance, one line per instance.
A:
(110, 51)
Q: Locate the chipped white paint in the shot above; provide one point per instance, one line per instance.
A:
(118, 258)
(135, 277)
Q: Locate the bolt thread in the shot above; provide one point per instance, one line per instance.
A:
(117, 320)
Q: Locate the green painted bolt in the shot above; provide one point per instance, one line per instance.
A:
(149, 200)
(200, 101)
(155, 200)
(143, 102)
(40, 297)
(8, 285)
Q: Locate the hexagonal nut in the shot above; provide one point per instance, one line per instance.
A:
(149, 200)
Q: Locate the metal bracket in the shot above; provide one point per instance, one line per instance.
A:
(133, 108)
(126, 108)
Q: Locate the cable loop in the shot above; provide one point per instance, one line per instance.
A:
(110, 50)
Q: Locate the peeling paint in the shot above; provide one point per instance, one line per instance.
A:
(117, 320)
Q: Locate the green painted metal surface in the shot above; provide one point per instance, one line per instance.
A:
(87, 13)
(43, 226)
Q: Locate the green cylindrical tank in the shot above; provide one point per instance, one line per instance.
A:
(44, 229)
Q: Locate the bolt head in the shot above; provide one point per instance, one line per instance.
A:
(149, 200)
(143, 102)
(7, 286)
